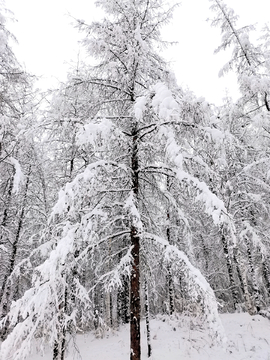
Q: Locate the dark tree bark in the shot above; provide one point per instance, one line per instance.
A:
(169, 275)
(238, 270)
(123, 302)
(60, 344)
(146, 308)
(243, 278)
(235, 295)
(256, 292)
(135, 301)
(266, 274)
(5, 213)
(205, 254)
(5, 292)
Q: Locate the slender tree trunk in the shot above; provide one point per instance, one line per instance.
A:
(3, 240)
(238, 270)
(123, 303)
(135, 304)
(5, 292)
(64, 328)
(235, 295)
(108, 313)
(135, 301)
(123, 300)
(171, 292)
(243, 271)
(55, 350)
(146, 308)
(169, 275)
(256, 292)
(248, 302)
(60, 344)
(205, 254)
(169, 278)
(108, 295)
(266, 274)
(5, 213)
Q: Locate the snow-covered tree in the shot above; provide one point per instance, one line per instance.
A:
(21, 207)
(243, 183)
(132, 129)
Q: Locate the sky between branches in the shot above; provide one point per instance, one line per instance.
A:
(48, 44)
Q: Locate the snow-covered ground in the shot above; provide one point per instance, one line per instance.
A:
(248, 337)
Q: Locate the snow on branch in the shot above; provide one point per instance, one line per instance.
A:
(130, 205)
(251, 166)
(173, 202)
(216, 135)
(18, 343)
(3, 248)
(18, 175)
(198, 286)
(25, 265)
(38, 311)
(113, 278)
(58, 256)
(163, 101)
(95, 134)
(213, 205)
(140, 107)
(165, 105)
(249, 232)
(68, 195)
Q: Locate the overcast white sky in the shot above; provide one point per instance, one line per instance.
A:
(48, 42)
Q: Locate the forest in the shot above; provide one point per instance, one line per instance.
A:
(124, 197)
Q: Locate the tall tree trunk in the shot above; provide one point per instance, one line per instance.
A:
(169, 275)
(235, 295)
(266, 274)
(123, 302)
(64, 328)
(135, 301)
(5, 291)
(3, 235)
(5, 213)
(146, 308)
(171, 292)
(256, 292)
(123, 293)
(60, 344)
(205, 254)
(108, 295)
(243, 274)
(239, 273)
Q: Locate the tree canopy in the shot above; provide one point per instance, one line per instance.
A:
(127, 196)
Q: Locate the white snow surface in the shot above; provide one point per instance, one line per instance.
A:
(163, 102)
(183, 338)
(92, 132)
(18, 176)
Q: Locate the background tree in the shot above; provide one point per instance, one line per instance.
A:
(244, 181)
(23, 195)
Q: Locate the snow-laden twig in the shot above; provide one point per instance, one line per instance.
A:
(198, 286)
